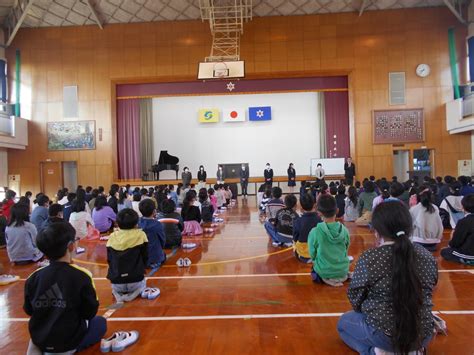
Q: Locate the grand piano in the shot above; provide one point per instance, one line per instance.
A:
(165, 162)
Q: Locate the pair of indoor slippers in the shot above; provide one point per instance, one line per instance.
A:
(119, 341)
(150, 293)
(186, 262)
(188, 245)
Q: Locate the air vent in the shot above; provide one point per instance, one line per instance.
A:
(397, 88)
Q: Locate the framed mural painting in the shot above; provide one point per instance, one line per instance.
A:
(71, 135)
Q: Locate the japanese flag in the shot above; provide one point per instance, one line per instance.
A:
(233, 115)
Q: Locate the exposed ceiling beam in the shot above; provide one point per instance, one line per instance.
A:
(451, 5)
(94, 14)
(363, 6)
(16, 17)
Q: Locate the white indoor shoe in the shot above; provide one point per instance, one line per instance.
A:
(125, 340)
(187, 262)
(8, 279)
(106, 344)
(188, 245)
(150, 293)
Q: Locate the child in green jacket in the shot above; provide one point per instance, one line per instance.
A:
(328, 243)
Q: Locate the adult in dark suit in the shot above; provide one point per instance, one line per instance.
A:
(268, 175)
(291, 177)
(202, 175)
(349, 171)
(244, 180)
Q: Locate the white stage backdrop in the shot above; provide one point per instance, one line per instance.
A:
(291, 136)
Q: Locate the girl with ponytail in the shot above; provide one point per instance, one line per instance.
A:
(391, 289)
(427, 224)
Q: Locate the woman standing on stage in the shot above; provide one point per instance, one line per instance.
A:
(202, 176)
(291, 177)
(268, 175)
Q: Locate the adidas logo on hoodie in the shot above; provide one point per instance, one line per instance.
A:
(51, 298)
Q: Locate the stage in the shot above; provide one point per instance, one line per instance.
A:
(254, 182)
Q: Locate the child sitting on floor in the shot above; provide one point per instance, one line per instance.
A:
(461, 246)
(207, 211)
(351, 212)
(20, 235)
(172, 195)
(427, 224)
(341, 200)
(212, 199)
(227, 195)
(221, 197)
(127, 255)
(191, 215)
(266, 197)
(391, 290)
(82, 221)
(55, 214)
(281, 230)
(154, 233)
(172, 224)
(61, 298)
(328, 243)
(136, 198)
(303, 225)
(274, 205)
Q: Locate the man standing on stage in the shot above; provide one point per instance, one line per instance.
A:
(349, 171)
(244, 180)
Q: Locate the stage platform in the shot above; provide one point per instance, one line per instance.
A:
(255, 181)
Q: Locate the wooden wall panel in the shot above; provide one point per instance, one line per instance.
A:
(367, 47)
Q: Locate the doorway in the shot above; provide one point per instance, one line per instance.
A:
(50, 173)
(401, 164)
(423, 162)
(69, 169)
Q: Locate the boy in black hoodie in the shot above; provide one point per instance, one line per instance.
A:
(461, 246)
(61, 298)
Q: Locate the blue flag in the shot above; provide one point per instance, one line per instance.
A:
(263, 113)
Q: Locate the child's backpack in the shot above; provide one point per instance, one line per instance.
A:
(445, 218)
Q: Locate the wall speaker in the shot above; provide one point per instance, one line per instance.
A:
(70, 104)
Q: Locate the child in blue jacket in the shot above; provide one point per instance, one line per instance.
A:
(154, 232)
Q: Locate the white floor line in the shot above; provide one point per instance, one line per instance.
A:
(177, 277)
(236, 316)
(470, 271)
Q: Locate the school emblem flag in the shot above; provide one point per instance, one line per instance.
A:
(263, 113)
(233, 116)
(208, 115)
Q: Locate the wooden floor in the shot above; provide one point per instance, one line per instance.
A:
(241, 296)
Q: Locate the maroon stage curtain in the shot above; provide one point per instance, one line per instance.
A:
(336, 106)
(128, 139)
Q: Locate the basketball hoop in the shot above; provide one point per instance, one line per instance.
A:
(220, 70)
